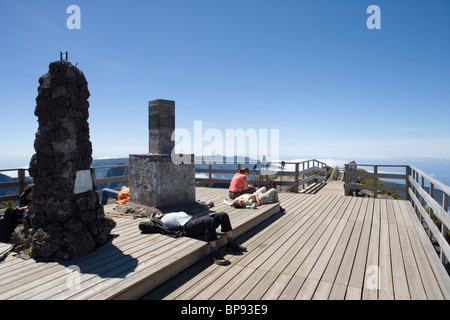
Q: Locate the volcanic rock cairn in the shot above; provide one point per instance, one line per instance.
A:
(66, 218)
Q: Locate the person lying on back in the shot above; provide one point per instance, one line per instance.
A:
(201, 226)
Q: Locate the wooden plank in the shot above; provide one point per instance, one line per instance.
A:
(401, 290)
(386, 291)
(371, 277)
(416, 289)
(356, 282)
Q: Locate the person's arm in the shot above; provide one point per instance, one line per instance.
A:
(245, 182)
(257, 199)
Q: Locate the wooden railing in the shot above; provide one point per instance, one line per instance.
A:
(301, 173)
(19, 184)
(351, 174)
(421, 199)
(428, 210)
(298, 173)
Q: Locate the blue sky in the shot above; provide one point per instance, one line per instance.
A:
(311, 69)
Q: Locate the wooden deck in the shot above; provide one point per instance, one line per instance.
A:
(324, 247)
(127, 267)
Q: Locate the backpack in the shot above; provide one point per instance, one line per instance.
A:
(8, 222)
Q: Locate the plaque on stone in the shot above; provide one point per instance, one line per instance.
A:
(83, 181)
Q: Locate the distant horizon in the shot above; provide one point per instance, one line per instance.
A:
(293, 158)
(438, 167)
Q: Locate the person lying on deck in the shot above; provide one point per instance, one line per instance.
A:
(201, 226)
(261, 196)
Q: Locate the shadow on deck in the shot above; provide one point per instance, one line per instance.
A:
(128, 266)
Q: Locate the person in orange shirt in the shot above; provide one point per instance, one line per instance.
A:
(239, 184)
(122, 196)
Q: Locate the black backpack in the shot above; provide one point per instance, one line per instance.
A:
(8, 222)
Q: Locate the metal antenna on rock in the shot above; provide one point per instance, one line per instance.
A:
(64, 54)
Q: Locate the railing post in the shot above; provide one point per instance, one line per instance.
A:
(375, 181)
(346, 180)
(432, 195)
(210, 176)
(445, 206)
(21, 176)
(297, 166)
(407, 184)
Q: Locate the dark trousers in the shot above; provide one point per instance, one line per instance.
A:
(207, 225)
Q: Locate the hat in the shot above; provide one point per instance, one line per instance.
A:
(28, 188)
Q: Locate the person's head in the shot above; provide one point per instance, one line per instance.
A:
(157, 215)
(238, 203)
(27, 195)
(244, 170)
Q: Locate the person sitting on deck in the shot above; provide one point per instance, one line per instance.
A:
(122, 196)
(15, 216)
(200, 226)
(239, 184)
(261, 196)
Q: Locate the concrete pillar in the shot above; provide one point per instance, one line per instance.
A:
(161, 125)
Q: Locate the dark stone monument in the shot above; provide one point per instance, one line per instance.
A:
(156, 180)
(65, 219)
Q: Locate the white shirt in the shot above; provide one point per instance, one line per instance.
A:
(175, 220)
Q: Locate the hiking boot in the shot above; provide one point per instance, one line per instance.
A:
(235, 247)
(217, 258)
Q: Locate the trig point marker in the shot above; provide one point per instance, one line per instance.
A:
(155, 180)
